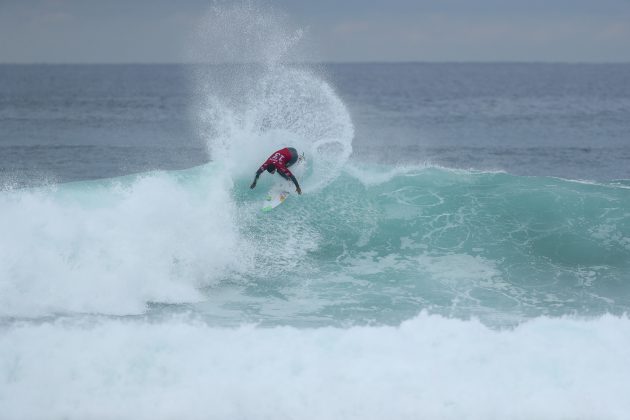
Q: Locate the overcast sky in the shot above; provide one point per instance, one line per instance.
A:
(161, 31)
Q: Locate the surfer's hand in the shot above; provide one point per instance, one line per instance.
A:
(299, 190)
(253, 185)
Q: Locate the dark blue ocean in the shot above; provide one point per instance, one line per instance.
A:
(461, 249)
(563, 120)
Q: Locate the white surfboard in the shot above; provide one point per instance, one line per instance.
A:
(274, 199)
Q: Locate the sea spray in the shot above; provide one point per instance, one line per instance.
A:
(253, 99)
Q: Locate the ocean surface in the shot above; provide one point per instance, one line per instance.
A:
(461, 249)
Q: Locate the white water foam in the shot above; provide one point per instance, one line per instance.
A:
(429, 367)
(112, 246)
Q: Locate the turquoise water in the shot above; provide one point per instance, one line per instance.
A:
(457, 243)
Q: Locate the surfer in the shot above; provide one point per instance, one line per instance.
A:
(280, 161)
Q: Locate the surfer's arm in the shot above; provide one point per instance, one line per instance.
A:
(286, 174)
(297, 186)
(258, 172)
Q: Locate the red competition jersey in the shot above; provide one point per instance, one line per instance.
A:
(279, 159)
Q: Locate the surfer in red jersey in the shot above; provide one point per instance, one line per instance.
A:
(280, 161)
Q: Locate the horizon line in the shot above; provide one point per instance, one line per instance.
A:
(325, 62)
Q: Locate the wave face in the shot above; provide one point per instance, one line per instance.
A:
(377, 244)
(381, 244)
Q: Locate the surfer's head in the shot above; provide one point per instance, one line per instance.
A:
(271, 168)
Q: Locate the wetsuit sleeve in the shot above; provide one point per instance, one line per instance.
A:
(258, 172)
(286, 173)
(261, 169)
